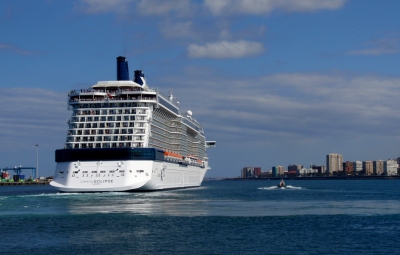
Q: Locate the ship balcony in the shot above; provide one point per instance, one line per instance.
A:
(86, 112)
(111, 98)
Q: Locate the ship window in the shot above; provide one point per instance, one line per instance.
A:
(94, 172)
(102, 171)
(84, 172)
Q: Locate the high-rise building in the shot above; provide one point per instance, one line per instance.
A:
(319, 169)
(348, 167)
(390, 167)
(248, 172)
(378, 167)
(368, 167)
(278, 171)
(294, 170)
(357, 167)
(281, 170)
(334, 163)
(257, 172)
(251, 172)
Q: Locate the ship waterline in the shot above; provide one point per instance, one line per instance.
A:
(125, 136)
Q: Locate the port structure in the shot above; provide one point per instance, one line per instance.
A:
(18, 169)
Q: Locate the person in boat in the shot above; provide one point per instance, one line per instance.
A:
(282, 183)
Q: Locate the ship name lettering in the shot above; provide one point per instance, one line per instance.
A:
(102, 181)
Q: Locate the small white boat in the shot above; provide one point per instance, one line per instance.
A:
(282, 184)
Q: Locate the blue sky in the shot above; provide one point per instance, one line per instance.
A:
(273, 82)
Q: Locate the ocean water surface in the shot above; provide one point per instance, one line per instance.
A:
(220, 217)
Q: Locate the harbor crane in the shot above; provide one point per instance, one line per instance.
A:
(18, 169)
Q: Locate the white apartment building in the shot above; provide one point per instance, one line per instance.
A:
(390, 167)
(334, 163)
(358, 166)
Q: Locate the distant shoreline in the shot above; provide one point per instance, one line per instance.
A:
(371, 177)
(23, 183)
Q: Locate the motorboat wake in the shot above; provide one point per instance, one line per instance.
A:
(276, 187)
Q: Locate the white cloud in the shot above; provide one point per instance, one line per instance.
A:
(379, 47)
(144, 7)
(161, 7)
(224, 7)
(297, 106)
(225, 49)
(178, 30)
(103, 6)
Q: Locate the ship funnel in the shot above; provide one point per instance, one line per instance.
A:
(139, 78)
(122, 69)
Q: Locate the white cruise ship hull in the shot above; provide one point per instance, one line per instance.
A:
(126, 175)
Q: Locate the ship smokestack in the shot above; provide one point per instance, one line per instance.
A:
(122, 69)
(139, 78)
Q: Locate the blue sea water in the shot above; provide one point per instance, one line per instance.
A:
(220, 217)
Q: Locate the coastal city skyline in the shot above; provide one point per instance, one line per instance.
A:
(334, 165)
(270, 81)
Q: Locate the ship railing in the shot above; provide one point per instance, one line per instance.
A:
(174, 103)
(74, 100)
(77, 92)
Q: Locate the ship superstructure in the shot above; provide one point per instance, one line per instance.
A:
(124, 135)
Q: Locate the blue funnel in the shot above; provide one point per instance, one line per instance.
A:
(139, 78)
(122, 69)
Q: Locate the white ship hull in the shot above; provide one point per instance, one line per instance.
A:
(126, 175)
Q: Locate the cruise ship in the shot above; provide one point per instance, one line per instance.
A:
(125, 136)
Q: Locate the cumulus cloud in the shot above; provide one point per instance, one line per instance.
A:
(297, 106)
(178, 29)
(15, 49)
(224, 7)
(225, 49)
(379, 47)
(161, 7)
